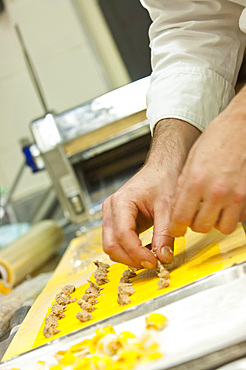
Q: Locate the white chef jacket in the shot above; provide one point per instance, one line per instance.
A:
(197, 48)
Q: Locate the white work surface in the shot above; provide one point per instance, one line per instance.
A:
(200, 324)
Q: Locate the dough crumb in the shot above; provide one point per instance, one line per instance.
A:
(125, 280)
(93, 285)
(84, 316)
(92, 301)
(58, 310)
(49, 331)
(51, 320)
(163, 283)
(68, 289)
(101, 273)
(129, 274)
(123, 299)
(134, 269)
(126, 289)
(102, 281)
(163, 274)
(101, 265)
(88, 296)
(63, 299)
(85, 305)
(51, 323)
(93, 289)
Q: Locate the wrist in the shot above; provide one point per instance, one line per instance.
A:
(171, 143)
(236, 109)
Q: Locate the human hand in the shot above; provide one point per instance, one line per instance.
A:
(211, 190)
(142, 201)
(145, 199)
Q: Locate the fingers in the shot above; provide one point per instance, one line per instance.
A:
(202, 210)
(184, 208)
(112, 248)
(120, 240)
(162, 242)
(110, 245)
(223, 217)
(126, 236)
(229, 218)
(205, 218)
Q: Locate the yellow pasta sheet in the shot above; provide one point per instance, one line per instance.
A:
(196, 256)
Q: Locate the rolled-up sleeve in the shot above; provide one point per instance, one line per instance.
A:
(196, 53)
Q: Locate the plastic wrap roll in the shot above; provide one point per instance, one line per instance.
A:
(30, 251)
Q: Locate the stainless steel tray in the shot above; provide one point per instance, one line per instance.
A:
(201, 301)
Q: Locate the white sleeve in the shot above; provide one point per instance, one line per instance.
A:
(197, 49)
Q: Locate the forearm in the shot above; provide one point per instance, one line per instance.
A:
(172, 141)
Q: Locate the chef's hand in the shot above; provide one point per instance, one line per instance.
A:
(211, 190)
(145, 199)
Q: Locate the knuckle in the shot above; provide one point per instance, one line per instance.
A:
(218, 192)
(120, 235)
(117, 196)
(117, 200)
(240, 196)
(109, 247)
(197, 180)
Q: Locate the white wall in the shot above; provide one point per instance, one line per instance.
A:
(68, 68)
(98, 32)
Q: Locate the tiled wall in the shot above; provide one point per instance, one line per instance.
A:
(68, 68)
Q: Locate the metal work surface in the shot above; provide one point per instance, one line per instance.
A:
(51, 130)
(206, 325)
(200, 262)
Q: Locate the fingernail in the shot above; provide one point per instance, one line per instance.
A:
(167, 254)
(147, 265)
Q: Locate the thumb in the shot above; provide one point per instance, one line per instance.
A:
(162, 241)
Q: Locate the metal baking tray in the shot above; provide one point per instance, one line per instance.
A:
(208, 315)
